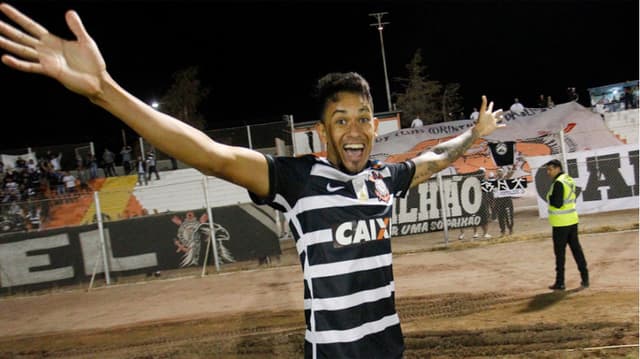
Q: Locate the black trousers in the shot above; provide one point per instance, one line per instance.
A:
(504, 211)
(561, 237)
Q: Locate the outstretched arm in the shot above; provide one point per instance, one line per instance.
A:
(80, 67)
(439, 157)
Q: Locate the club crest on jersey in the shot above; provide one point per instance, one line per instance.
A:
(361, 231)
(382, 192)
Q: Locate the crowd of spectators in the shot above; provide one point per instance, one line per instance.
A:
(33, 184)
(30, 186)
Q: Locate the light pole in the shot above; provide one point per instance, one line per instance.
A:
(380, 26)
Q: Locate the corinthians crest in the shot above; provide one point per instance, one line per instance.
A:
(192, 233)
(381, 190)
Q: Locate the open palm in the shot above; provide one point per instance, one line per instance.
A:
(78, 64)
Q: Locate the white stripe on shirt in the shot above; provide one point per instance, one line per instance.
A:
(351, 300)
(330, 201)
(337, 175)
(353, 334)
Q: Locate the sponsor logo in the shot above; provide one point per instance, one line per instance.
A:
(333, 189)
(501, 148)
(361, 231)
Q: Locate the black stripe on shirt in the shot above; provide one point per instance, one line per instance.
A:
(387, 344)
(345, 284)
(323, 253)
(323, 218)
(354, 316)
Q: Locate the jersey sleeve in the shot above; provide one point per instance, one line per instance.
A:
(401, 177)
(287, 178)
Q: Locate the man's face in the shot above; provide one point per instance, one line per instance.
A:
(349, 129)
(552, 171)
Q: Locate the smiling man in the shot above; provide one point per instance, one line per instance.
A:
(339, 207)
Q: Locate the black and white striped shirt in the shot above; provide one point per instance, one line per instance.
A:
(341, 224)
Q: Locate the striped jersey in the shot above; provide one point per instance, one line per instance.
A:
(341, 224)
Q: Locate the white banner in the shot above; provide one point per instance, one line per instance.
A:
(9, 161)
(583, 130)
(607, 179)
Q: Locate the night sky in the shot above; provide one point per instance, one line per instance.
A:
(261, 59)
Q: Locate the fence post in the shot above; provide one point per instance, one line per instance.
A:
(249, 136)
(101, 233)
(141, 142)
(212, 230)
(563, 151)
(443, 207)
(293, 137)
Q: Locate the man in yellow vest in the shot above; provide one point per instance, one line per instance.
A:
(564, 221)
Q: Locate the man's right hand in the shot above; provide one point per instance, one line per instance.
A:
(78, 64)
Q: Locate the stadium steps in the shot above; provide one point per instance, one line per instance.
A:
(624, 124)
(115, 196)
(72, 213)
(182, 190)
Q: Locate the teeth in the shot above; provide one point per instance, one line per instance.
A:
(354, 146)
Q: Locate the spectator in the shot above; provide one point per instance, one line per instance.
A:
(141, 167)
(475, 114)
(517, 106)
(504, 208)
(174, 163)
(83, 176)
(125, 153)
(542, 101)
(21, 164)
(600, 107)
(69, 183)
(58, 180)
(31, 165)
(484, 213)
(550, 103)
(628, 98)
(151, 166)
(109, 159)
(55, 160)
(417, 122)
(572, 95)
(34, 180)
(93, 166)
(34, 218)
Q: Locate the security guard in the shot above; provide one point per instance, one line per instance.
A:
(563, 217)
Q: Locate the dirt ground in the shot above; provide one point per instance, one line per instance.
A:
(456, 299)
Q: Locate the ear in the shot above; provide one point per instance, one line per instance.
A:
(322, 131)
(376, 123)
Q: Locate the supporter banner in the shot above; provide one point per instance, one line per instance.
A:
(420, 211)
(606, 179)
(583, 130)
(503, 152)
(516, 187)
(36, 260)
(9, 161)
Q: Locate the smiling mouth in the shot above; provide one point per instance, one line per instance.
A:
(354, 151)
(354, 148)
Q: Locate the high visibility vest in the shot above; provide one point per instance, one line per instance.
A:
(567, 214)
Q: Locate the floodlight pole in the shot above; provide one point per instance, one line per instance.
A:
(380, 26)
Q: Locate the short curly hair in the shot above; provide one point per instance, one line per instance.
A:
(331, 84)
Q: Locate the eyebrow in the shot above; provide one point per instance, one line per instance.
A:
(361, 110)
